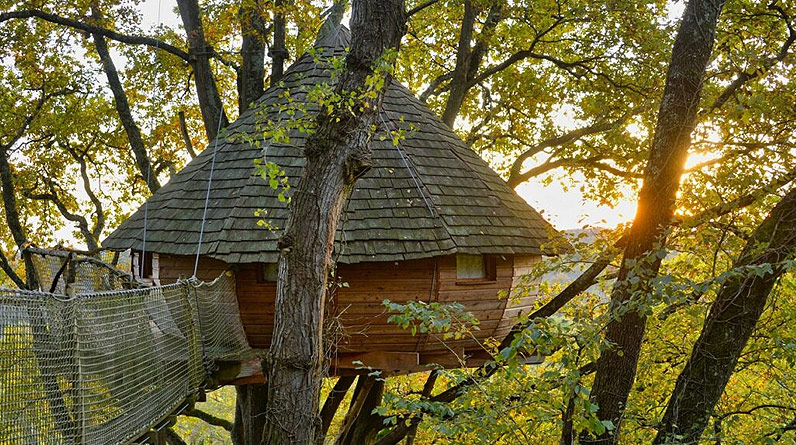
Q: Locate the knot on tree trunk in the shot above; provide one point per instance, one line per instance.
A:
(285, 244)
(278, 52)
(356, 165)
(294, 361)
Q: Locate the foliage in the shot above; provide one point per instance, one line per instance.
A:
(574, 65)
(220, 403)
(450, 320)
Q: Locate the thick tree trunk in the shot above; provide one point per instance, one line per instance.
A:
(278, 51)
(468, 59)
(616, 368)
(458, 84)
(728, 326)
(251, 79)
(249, 414)
(126, 116)
(210, 103)
(336, 155)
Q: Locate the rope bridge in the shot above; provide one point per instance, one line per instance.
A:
(104, 367)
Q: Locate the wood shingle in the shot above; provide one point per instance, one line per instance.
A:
(429, 196)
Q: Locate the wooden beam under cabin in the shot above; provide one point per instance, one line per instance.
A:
(380, 360)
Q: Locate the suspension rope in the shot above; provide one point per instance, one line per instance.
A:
(149, 163)
(207, 195)
(210, 182)
(408, 167)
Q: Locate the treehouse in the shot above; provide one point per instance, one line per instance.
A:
(430, 222)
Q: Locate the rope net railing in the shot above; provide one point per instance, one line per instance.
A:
(90, 274)
(105, 367)
(222, 331)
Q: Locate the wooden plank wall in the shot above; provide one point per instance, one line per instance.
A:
(522, 298)
(357, 305)
(480, 298)
(174, 267)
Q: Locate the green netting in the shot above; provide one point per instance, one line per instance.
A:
(105, 367)
(91, 274)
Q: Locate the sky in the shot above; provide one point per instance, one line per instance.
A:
(565, 209)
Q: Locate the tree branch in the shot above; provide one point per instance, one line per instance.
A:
(52, 196)
(208, 418)
(433, 88)
(739, 202)
(133, 40)
(99, 212)
(420, 7)
(517, 176)
(186, 138)
(333, 401)
(10, 272)
(125, 114)
(746, 76)
(30, 117)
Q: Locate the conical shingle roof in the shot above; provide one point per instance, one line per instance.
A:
(429, 196)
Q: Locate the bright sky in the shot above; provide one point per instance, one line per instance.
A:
(565, 209)
(568, 209)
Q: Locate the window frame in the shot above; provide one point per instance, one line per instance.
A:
(261, 273)
(490, 272)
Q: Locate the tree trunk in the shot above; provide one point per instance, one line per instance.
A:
(278, 51)
(251, 79)
(616, 368)
(337, 153)
(332, 403)
(126, 116)
(728, 326)
(210, 103)
(250, 406)
(458, 84)
(468, 59)
(364, 425)
(63, 420)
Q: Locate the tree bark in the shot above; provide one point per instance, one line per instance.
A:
(468, 59)
(126, 116)
(200, 52)
(728, 326)
(186, 138)
(337, 153)
(278, 52)
(458, 84)
(332, 403)
(251, 80)
(250, 406)
(63, 420)
(616, 368)
(364, 425)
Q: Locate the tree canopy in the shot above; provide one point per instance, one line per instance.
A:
(99, 107)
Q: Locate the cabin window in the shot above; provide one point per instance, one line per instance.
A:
(475, 267)
(142, 267)
(146, 267)
(270, 273)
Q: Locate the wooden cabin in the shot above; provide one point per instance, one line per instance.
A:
(431, 221)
